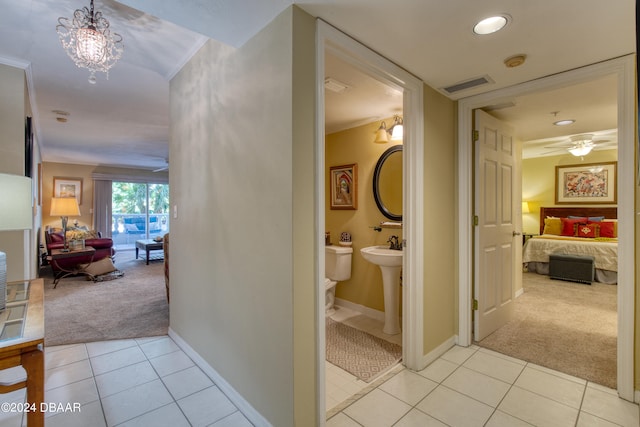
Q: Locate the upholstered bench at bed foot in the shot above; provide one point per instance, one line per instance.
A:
(574, 268)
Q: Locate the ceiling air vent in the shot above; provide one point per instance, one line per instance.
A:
(468, 84)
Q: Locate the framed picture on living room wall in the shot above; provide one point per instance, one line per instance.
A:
(67, 187)
(586, 184)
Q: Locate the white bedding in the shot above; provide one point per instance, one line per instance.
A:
(538, 249)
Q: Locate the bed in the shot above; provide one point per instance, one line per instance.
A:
(604, 249)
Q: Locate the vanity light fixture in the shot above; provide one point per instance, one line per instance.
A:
(396, 131)
(491, 25)
(382, 135)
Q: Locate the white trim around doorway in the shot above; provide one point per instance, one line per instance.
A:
(338, 43)
(624, 68)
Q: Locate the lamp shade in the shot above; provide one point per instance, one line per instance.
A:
(525, 208)
(16, 197)
(64, 206)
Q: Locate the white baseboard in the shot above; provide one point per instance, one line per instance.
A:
(519, 292)
(369, 312)
(636, 398)
(247, 410)
(434, 354)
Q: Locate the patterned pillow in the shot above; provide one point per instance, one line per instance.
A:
(79, 234)
(568, 226)
(587, 230)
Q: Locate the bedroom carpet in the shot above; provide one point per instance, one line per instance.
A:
(134, 305)
(566, 326)
(358, 352)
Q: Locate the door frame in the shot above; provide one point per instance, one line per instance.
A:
(348, 49)
(624, 69)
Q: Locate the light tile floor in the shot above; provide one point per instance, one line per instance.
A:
(136, 382)
(478, 387)
(151, 382)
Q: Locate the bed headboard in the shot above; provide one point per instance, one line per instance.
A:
(565, 211)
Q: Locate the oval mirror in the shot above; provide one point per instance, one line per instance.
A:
(387, 183)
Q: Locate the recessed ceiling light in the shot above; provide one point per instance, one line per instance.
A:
(564, 122)
(491, 24)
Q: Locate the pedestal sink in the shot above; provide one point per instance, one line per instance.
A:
(390, 263)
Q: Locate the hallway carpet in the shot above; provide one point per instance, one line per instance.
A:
(135, 305)
(566, 326)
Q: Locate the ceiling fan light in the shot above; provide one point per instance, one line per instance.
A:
(581, 150)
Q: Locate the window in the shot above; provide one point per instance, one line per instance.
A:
(139, 211)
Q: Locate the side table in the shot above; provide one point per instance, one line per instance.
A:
(22, 342)
(57, 254)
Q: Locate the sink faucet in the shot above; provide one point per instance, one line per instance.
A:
(395, 244)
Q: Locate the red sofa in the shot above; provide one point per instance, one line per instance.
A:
(103, 247)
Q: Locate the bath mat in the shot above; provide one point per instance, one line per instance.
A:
(358, 352)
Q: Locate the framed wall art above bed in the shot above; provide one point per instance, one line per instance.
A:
(586, 184)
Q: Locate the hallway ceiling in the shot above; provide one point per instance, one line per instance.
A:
(123, 121)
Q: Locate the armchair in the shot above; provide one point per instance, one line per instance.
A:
(103, 247)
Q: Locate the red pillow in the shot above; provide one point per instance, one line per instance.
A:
(587, 230)
(607, 229)
(568, 228)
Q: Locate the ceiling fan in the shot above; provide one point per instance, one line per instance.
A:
(579, 145)
(164, 168)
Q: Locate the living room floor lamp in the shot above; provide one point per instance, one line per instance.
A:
(64, 207)
(15, 214)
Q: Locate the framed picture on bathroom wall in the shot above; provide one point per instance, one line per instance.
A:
(344, 186)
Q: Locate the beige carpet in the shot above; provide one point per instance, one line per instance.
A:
(131, 306)
(358, 352)
(566, 326)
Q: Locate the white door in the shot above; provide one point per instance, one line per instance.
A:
(496, 237)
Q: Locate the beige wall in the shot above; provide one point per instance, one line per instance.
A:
(347, 147)
(242, 185)
(17, 245)
(440, 236)
(51, 170)
(538, 182)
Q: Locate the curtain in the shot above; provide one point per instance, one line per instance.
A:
(102, 207)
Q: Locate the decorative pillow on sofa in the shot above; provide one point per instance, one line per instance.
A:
(552, 225)
(79, 234)
(568, 226)
(587, 230)
(103, 266)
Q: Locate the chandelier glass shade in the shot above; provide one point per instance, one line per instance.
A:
(89, 42)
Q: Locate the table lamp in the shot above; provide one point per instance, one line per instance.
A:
(15, 214)
(64, 207)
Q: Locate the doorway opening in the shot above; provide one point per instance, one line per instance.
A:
(622, 68)
(334, 43)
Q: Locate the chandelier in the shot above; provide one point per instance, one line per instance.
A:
(88, 40)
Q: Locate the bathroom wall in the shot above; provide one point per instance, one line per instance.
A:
(538, 182)
(356, 146)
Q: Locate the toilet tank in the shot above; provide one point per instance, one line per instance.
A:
(337, 262)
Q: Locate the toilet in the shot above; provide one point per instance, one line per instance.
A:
(337, 268)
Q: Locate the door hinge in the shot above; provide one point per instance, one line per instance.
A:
(476, 135)
(476, 220)
(475, 304)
